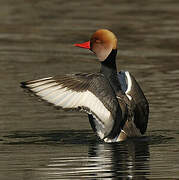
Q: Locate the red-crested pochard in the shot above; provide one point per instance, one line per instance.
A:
(114, 101)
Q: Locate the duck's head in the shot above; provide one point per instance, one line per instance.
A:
(101, 43)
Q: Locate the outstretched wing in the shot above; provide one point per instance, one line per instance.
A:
(87, 92)
(133, 90)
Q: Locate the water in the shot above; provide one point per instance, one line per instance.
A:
(39, 142)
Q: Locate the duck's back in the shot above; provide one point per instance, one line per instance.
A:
(136, 96)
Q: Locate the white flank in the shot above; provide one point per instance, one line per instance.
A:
(129, 84)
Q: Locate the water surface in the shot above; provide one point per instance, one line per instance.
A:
(38, 141)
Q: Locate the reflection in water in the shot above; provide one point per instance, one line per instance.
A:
(36, 40)
(127, 159)
(80, 155)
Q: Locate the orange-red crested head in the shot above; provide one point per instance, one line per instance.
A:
(101, 43)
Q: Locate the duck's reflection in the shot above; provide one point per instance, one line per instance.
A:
(80, 155)
(94, 160)
(125, 160)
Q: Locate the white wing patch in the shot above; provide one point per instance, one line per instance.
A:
(129, 84)
(51, 91)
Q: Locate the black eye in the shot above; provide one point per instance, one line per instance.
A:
(98, 41)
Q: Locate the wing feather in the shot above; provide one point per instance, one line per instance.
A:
(88, 92)
(134, 92)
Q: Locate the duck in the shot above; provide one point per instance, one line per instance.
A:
(116, 106)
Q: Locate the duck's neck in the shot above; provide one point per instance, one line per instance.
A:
(109, 69)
